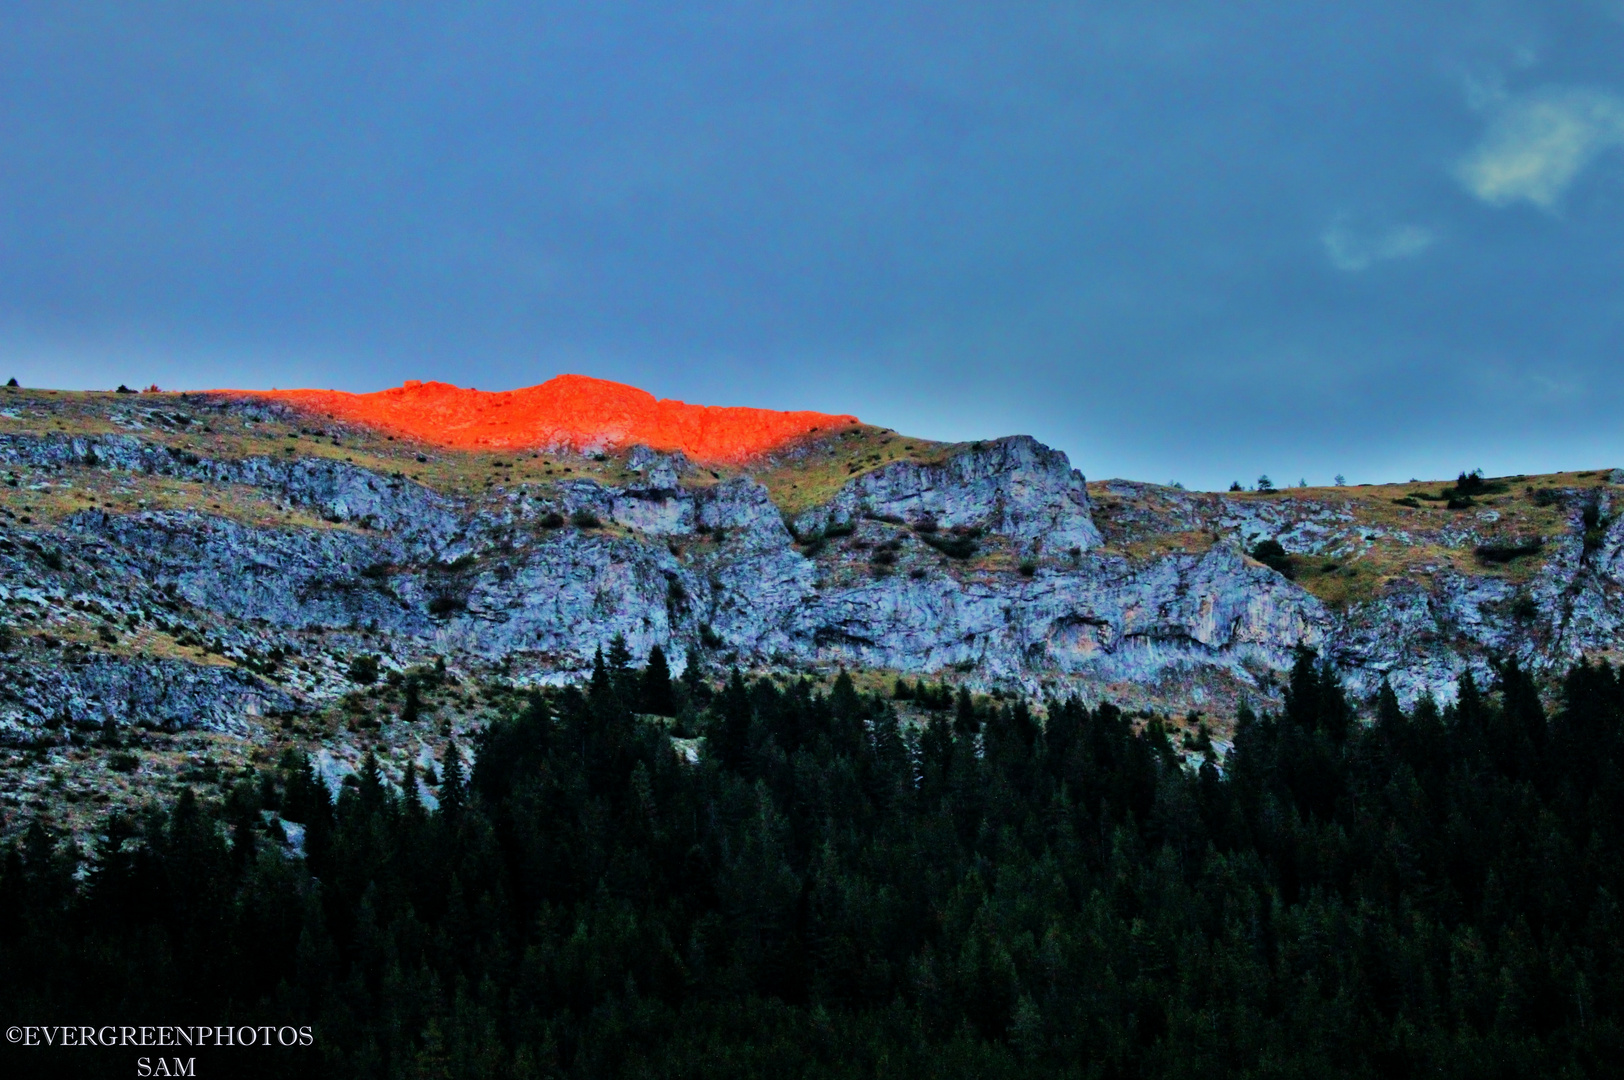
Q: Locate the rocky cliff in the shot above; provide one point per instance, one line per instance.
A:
(202, 563)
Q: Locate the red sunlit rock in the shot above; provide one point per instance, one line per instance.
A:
(570, 412)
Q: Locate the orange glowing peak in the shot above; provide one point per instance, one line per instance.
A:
(570, 412)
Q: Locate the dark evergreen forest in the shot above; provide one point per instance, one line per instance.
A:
(1431, 893)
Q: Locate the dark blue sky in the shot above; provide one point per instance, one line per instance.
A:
(1177, 240)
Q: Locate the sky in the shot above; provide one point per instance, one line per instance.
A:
(1182, 241)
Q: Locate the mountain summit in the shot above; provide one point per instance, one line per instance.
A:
(570, 412)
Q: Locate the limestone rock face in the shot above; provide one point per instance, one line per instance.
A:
(743, 506)
(293, 578)
(1422, 637)
(1100, 622)
(336, 491)
(1016, 487)
(195, 616)
(166, 694)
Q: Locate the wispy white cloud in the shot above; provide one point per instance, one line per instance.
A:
(1353, 249)
(1484, 90)
(1538, 144)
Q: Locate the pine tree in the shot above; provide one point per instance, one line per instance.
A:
(730, 736)
(373, 789)
(1519, 732)
(1470, 714)
(242, 811)
(657, 695)
(1392, 729)
(411, 798)
(453, 781)
(619, 659)
(412, 706)
(966, 724)
(598, 686)
(935, 757)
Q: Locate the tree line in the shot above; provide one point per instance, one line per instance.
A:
(827, 892)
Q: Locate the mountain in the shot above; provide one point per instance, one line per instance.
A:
(194, 582)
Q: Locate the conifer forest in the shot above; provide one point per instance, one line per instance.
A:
(822, 892)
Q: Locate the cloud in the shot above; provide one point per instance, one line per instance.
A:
(1537, 145)
(1353, 250)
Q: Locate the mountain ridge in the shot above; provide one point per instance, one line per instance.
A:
(205, 570)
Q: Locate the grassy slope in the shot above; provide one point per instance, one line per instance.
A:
(810, 473)
(1407, 541)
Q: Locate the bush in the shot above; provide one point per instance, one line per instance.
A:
(1508, 550)
(412, 705)
(1468, 486)
(552, 519)
(444, 603)
(813, 544)
(364, 669)
(954, 547)
(584, 519)
(1470, 483)
(1272, 555)
(124, 762)
(1595, 525)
